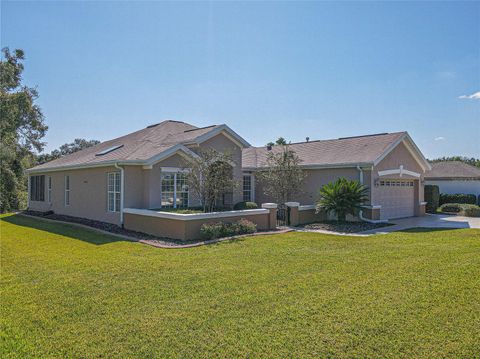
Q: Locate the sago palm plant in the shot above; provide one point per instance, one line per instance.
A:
(342, 197)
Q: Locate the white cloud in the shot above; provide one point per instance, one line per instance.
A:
(440, 138)
(473, 96)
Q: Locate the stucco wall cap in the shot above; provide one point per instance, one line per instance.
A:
(269, 205)
(292, 204)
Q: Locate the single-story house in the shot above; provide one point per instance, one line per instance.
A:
(454, 177)
(146, 170)
(389, 164)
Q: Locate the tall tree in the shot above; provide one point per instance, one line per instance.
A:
(66, 149)
(283, 177)
(22, 128)
(209, 177)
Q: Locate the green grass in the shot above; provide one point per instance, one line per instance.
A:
(69, 292)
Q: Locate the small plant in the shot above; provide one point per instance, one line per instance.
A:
(464, 209)
(342, 197)
(432, 197)
(245, 205)
(222, 229)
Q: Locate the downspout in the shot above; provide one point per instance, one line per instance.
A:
(122, 190)
(360, 214)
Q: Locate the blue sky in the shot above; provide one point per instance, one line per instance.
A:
(323, 70)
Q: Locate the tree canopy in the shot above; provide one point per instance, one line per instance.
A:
(66, 149)
(283, 177)
(468, 160)
(22, 129)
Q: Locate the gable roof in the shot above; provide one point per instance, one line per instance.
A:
(452, 170)
(342, 152)
(142, 147)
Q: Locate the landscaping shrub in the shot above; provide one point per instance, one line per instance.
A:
(432, 197)
(245, 205)
(222, 229)
(342, 197)
(457, 198)
(464, 209)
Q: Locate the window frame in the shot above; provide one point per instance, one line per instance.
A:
(249, 190)
(49, 189)
(67, 190)
(116, 192)
(37, 188)
(175, 193)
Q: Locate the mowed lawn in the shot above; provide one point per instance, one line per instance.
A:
(68, 292)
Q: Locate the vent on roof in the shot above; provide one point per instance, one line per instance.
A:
(108, 150)
(375, 134)
(199, 128)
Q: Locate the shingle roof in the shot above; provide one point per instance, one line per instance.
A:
(452, 170)
(342, 151)
(137, 146)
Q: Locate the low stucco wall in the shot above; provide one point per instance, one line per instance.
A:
(309, 215)
(187, 229)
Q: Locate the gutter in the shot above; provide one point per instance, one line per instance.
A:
(360, 213)
(122, 190)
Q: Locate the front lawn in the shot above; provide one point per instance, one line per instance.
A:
(69, 292)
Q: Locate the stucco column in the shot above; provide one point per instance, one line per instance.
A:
(293, 209)
(272, 216)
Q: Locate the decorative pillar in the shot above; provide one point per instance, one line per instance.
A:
(293, 218)
(272, 216)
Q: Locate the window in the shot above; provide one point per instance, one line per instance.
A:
(67, 190)
(174, 190)
(247, 188)
(113, 191)
(49, 189)
(37, 188)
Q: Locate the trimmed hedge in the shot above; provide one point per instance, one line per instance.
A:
(464, 209)
(245, 205)
(432, 197)
(222, 229)
(457, 198)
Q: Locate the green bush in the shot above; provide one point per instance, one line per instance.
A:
(457, 198)
(342, 197)
(222, 229)
(464, 209)
(245, 205)
(432, 197)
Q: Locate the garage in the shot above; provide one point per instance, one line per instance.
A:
(396, 196)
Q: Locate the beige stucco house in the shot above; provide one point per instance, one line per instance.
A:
(146, 170)
(389, 164)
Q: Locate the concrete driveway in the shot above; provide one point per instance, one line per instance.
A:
(428, 221)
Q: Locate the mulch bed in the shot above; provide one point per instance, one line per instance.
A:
(345, 227)
(141, 237)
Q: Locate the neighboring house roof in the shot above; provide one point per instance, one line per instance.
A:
(143, 147)
(342, 152)
(451, 170)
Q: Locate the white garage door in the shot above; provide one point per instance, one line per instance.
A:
(396, 198)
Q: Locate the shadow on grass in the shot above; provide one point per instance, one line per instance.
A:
(82, 234)
(428, 229)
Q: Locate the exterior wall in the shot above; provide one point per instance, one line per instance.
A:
(151, 182)
(457, 186)
(88, 194)
(186, 229)
(400, 156)
(314, 180)
(222, 143)
(306, 216)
